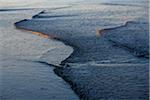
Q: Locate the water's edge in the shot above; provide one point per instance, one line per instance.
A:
(56, 67)
(63, 65)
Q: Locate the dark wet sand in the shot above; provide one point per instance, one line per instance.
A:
(100, 67)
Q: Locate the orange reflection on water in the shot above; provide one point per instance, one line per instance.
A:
(40, 34)
(35, 33)
(99, 32)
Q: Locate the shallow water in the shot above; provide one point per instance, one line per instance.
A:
(100, 67)
(23, 76)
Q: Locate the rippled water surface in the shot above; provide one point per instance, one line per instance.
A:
(110, 42)
(23, 76)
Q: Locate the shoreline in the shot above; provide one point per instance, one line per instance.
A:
(43, 35)
(100, 32)
(66, 71)
(63, 66)
(22, 73)
(71, 50)
(56, 67)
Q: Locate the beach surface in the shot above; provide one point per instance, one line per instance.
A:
(103, 53)
(24, 75)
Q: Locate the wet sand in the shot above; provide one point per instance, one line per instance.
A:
(100, 66)
(23, 75)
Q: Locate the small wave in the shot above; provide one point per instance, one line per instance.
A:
(115, 4)
(124, 40)
(54, 16)
(1, 10)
